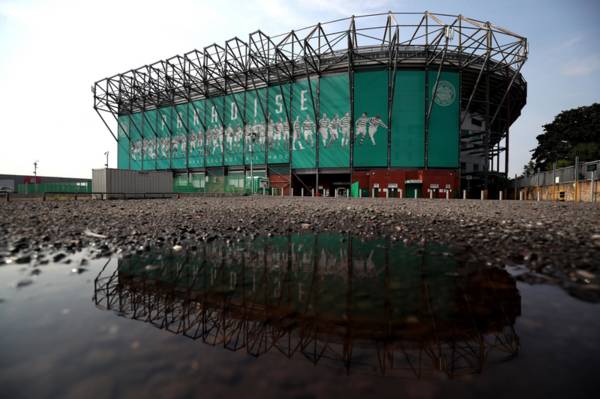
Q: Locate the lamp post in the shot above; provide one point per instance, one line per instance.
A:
(106, 164)
(252, 138)
(35, 163)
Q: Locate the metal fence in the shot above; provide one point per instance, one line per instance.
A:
(65, 187)
(583, 171)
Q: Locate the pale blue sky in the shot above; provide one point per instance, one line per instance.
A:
(52, 51)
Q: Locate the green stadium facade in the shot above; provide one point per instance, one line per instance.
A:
(373, 105)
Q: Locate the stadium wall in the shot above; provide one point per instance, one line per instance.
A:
(390, 131)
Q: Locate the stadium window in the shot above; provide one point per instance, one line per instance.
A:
(476, 122)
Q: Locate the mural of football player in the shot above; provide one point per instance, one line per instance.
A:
(296, 134)
(324, 123)
(345, 128)
(144, 149)
(134, 150)
(374, 124)
(262, 136)
(200, 141)
(247, 135)
(219, 139)
(193, 144)
(172, 144)
(229, 139)
(209, 140)
(361, 127)
(160, 142)
(308, 131)
(238, 139)
(278, 134)
(270, 133)
(286, 133)
(166, 147)
(183, 145)
(334, 126)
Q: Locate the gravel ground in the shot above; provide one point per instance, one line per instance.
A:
(539, 241)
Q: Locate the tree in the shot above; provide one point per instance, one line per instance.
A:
(529, 168)
(575, 132)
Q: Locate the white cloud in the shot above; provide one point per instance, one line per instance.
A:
(582, 67)
(52, 52)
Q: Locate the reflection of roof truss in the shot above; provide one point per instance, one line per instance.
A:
(392, 347)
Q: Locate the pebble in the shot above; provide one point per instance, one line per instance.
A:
(565, 236)
(24, 283)
(58, 257)
(23, 259)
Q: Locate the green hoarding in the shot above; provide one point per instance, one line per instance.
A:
(196, 121)
(164, 142)
(255, 130)
(123, 142)
(234, 129)
(370, 118)
(303, 124)
(283, 116)
(334, 121)
(150, 140)
(179, 123)
(214, 132)
(442, 150)
(408, 120)
(278, 130)
(137, 144)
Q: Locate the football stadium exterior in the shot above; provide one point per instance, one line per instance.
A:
(373, 105)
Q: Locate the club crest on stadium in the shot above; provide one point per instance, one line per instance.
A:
(445, 93)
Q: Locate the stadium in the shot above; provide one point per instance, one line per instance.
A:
(393, 104)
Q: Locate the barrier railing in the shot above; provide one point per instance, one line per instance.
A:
(586, 171)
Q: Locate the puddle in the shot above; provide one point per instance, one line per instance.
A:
(300, 315)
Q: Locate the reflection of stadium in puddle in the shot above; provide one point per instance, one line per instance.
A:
(368, 306)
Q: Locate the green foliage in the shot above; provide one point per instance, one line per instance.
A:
(575, 132)
(529, 168)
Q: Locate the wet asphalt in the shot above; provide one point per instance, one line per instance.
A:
(540, 242)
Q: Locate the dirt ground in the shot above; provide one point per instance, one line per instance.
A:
(550, 242)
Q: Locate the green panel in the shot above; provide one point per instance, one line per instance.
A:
(355, 190)
(278, 130)
(180, 139)
(256, 103)
(334, 122)
(196, 120)
(215, 182)
(188, 183)
(149, 142)
(303, 124)
(235, 182)
(408, 120)
(256, 176)
(163, 143)
(234, 129)
(371, 118)
(123, 129)
(63, 187)
(214, 132)
(135, 123)
(442, 150)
